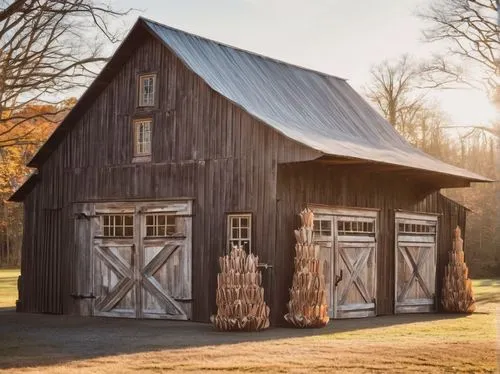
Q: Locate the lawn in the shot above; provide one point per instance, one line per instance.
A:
(8, 287)
(431, 343)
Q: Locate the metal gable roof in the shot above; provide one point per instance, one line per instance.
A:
(313, 108)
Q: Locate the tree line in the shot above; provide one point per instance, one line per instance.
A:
(400, 90)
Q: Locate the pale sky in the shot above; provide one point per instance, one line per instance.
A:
(340, 37)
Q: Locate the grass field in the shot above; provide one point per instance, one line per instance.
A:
(430, 343)
(8, 287)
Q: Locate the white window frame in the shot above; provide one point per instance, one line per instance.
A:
(246, 242)
(112, 225)
(166, 226)
(146, 99)
(142, 148)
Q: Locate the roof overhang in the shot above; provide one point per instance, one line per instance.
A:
(429, 177)
(28, 186)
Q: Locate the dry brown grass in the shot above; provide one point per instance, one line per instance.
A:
(8, 287)
(405, 344)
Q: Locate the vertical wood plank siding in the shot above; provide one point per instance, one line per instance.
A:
(206, 148)
(303, 183)
(203, 147)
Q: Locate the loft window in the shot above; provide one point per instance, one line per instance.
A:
(147, 90)
(142, 135)
(117, 225)
(161, 225)
(239, 229)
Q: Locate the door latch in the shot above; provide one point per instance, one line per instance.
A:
(339, 278)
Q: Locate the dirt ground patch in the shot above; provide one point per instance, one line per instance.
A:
(416, 343)
(431, 343)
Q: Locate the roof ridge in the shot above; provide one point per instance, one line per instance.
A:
(256, 54)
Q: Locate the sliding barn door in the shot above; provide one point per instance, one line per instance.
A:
(416, 252)
(347, 240)
(115, 258)
(355, 266)
(165, 270)
(142, 260)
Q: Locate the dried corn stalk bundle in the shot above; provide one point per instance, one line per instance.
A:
(457, 295)
(307, 306)
(239, 296)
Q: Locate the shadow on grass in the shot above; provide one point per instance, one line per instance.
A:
(40, 339)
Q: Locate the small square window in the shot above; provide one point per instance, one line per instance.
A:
(147, 90)
(142, 137)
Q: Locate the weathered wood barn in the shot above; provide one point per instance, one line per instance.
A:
(183, 146)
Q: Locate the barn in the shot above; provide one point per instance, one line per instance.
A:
(183, 146)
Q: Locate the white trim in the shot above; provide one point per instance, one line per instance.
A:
(230, 239)
(142, 140)
(146, 99)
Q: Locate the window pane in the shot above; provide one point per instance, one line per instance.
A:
(129, 220)
(161, 220)
(118, 220)
(161, 231)
(129, 231)
(244, 233)
(244, 222)
(171, 230)
(150, 231)
(235, 222)
(170, 220)
(118, 231)
(326, 227)
(236, 233)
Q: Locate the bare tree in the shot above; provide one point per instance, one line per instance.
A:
(48, 48)
(392, 89)
(470, 30)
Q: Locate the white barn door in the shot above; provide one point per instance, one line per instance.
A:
(416, 253)
(355, 266)
(142, 260)
(347, 239)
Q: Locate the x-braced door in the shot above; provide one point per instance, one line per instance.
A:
(355, 266)
(416, 251)
(347, 239)
(142, 260)
(115, 262)
(165, 270)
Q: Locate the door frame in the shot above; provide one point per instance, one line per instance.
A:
(336, 212)
(418, 217)
(182, 207)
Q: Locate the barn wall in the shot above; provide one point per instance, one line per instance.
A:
(204, 147)
(304, 183)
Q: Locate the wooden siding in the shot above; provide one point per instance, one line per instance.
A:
(204, 147)
(315, 183)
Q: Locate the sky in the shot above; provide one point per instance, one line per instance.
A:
(339, 37)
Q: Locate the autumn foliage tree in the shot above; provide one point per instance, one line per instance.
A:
(13, 170)
(49, 50)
